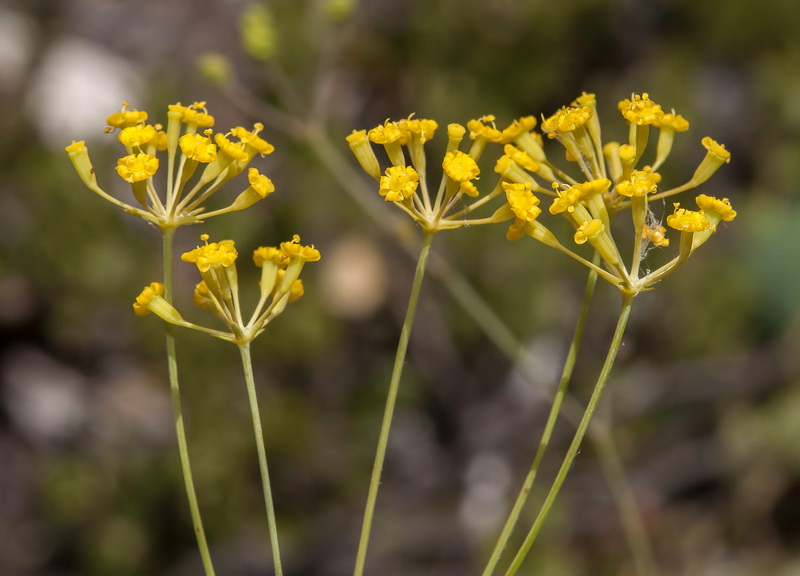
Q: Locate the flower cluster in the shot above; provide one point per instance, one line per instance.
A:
(611, 179)
(218, 290)
(190, 144)
(405, 182)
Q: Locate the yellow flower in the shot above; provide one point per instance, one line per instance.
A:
(270, 254)
(188, 189)
(198, 148)
(567, 119)
(522, 201)
(137, 167)
(484, 128)
(717, 149)
(716, 156)
(126, 117)
(567, 199)
(386, 133)
(520, 157)
(460, 167)
(455, 131)
(721, 209)
(295, 250)
(359, 144)
(195, 115)
(252, 141)
(296, 290)
(233, 150)
(216, 254)
(79, 156)
(425, 128)
(399, 184)
(672, 121)
(137, 136)
(140, 307)
(688, 220)
(469, 189)
(588, 230)
(655, 235)
(640, 110)
(260, 183)
(641, 183)
(518, 128)
(202, 296)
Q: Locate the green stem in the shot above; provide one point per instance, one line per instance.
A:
(572, 452)
(602, 437)
(394, 386)
(247, 366)
(167, 236)
(547, 434)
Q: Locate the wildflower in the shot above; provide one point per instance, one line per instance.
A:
(217, 254)
(687, 220)
(198, 148)
(404, 181)
(137, 136)
(151, 300)
(612, 181)
(640, 110)
(359, 144)
(126, 117)
(399, 184)
(137, 167)
(460, 167)
(189, 143)
(716, 156)
(218, 291)
(590, 229)
(716, 209)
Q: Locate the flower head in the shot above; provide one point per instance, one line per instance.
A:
(194, 115)
(137, 167)
(216, 254)
(251, 140)
(720, 209)
(143, 300)
(260, 183)
(609, 180)
(270, 254)
(126, 117)
(640, 110)
(218, 291)
(385, 133)
(688, 220)
(138, 136)
(460, 167)
(484, 127)
(188, 141)
(567, 119)
(588, 230)
(399, 184)
(523, 203)
(198, 148)
(294, 250)
(641, 183)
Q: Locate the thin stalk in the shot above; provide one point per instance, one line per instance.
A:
(555, 410)
(394, 386)
(602, 437)
(167, 236)
(572, 452)
(247, 366)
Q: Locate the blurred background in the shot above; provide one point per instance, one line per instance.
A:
(704, 402)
